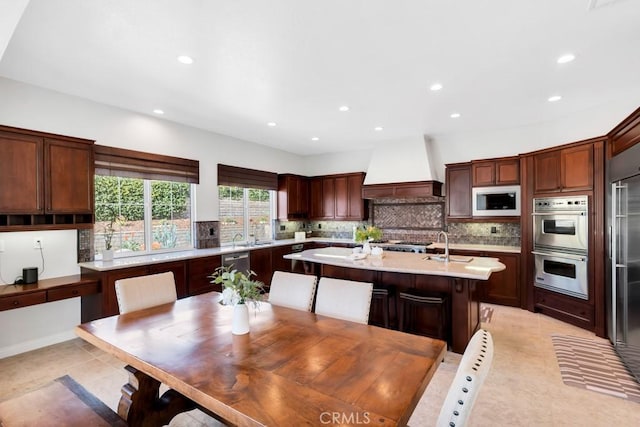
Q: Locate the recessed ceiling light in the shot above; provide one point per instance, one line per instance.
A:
(184, 59)
(344, 108)
(315, 138)
(158, 111)
(454, 115)
(271, 124)
(436, 86)
(554, 98)
(378, 128)
(566, 58)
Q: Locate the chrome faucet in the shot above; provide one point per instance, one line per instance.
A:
(233, 242)
(446, 244)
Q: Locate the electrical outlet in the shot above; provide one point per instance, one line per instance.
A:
(38, 243)
(1, 245)
(493, 230)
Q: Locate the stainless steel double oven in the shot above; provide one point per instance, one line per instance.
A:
(561, 244)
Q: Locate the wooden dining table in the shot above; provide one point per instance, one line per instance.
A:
(292, 368)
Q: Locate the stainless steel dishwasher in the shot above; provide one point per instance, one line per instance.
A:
(239, 260)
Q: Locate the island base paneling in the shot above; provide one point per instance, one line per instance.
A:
(462, 301)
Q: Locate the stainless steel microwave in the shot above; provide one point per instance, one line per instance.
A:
(496, 201)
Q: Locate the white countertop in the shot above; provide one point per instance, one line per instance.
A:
(476, 247)
(479, 268)
(158, 258)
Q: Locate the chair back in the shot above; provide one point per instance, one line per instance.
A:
(293, 290)
(344, 299)
(141, 292)
(473, 369)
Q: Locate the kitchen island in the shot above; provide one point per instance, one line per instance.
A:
(456, 279)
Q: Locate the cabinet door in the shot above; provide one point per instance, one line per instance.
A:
(503, 287)
(546, 170)
(301, 198)
(484, 173)
(21, 174)
(260, 260)
(179, 270)
(357, 206)
(459, 192)
(508, 172)
(199, 270)
(69, 174)
(577, 168)
(315, 198)
(328, 198)
(342, 197)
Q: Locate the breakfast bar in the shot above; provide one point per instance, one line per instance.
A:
(456, 278)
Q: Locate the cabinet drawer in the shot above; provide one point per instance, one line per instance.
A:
(72, 291)
(7, 303)
(563, 308)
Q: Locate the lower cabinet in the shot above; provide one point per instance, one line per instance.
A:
(109, 302)
(199, 271)
(565, 308)
(261, 264)
(179, 270)
(503, 287)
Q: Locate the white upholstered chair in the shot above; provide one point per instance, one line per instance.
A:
(293, 290)
(344, 299)
(473, 369)
(141, 292)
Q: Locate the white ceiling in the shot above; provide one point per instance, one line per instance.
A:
(294, 62)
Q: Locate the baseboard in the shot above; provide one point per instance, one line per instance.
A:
(37, 343)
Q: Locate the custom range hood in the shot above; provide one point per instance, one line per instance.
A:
(401, 169)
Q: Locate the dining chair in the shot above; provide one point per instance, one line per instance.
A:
(293, 290)
(472, 371)
(344, 299)
(141, 292)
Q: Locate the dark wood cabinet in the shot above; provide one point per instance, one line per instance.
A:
(69, 171)
(47, 181)
(198, 272)
(21, 173)
(503, 287)
(293, 197)
(179, 270)
(458, 192)
(625, 135)
(261, 264)
(504, 171)
(340, 198)
(567, 169)
(108, 304)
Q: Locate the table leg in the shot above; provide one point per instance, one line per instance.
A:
(141, 405)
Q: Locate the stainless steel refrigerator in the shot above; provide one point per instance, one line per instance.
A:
(623, 296)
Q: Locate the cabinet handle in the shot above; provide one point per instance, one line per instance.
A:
(74, 292)
(16, 302)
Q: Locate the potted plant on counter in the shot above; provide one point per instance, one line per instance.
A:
(238, 290)
(366, 234)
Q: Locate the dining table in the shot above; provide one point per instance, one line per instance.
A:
(293, 368)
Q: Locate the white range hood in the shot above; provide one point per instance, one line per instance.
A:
(407, 160)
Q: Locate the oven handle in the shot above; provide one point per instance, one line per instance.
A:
(580, 213)
(557, 255)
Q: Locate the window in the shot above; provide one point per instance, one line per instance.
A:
(245, 213)
(134, 215)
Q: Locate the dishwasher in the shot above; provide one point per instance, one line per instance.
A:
(239, 260)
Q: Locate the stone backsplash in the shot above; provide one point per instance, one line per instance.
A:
(412, 220)
(207, 234)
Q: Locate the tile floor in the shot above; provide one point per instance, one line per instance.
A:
(524, 387)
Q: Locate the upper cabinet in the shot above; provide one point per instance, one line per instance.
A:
(338, 197)
(496, 172)
(458, 192)
(567, 169)
(625, 135)
(293, 197)
(47, 181)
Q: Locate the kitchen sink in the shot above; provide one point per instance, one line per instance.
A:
(452, 258)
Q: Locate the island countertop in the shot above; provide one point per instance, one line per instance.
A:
(479, 268)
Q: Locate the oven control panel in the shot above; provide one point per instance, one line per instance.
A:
(555, 204)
